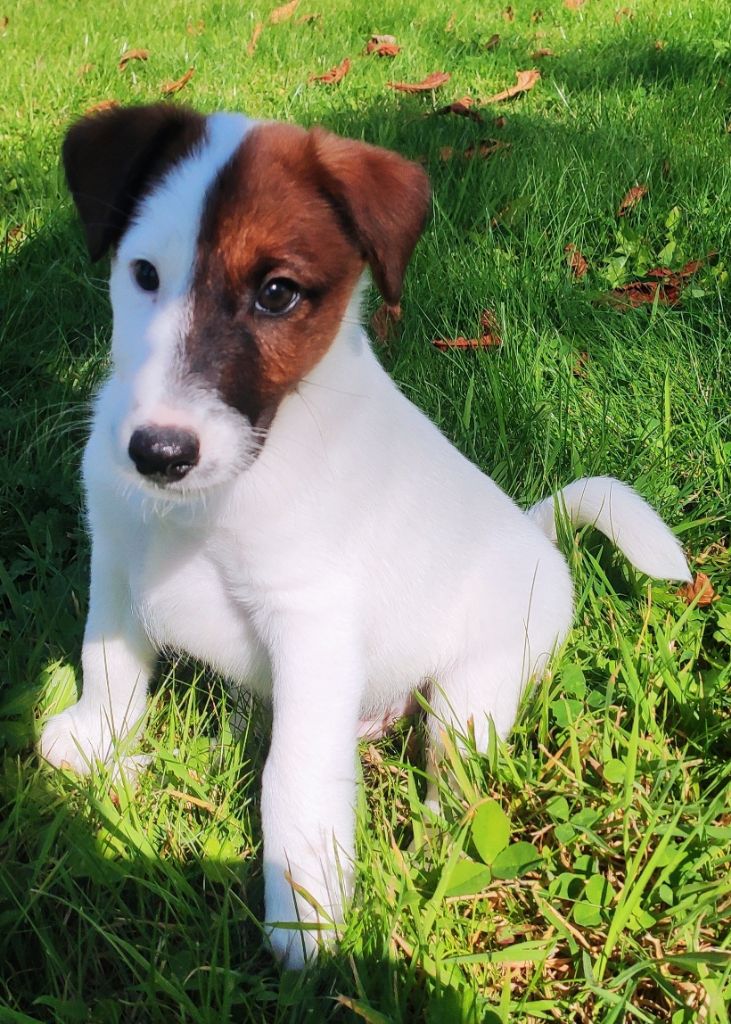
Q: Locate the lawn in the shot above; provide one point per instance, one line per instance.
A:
(580, 873)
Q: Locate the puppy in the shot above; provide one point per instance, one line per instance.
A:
(261, 496)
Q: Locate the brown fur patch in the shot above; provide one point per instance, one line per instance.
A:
(291, 204)
(112, 158)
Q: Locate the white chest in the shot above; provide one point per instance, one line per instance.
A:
(180, 593)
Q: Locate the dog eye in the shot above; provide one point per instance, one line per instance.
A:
(145, 275)
(278, 296)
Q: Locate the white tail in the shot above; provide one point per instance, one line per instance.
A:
(623, 516)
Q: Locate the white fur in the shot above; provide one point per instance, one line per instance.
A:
(359, 557)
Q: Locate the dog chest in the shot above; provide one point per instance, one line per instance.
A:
(181, 596)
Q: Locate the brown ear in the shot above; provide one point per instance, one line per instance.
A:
(113, 157)
(383, 198)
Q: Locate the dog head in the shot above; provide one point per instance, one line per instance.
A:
(236, 248)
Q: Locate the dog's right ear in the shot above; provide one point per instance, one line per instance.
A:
(112, 158)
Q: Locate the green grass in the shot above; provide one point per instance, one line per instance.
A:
(612, 900)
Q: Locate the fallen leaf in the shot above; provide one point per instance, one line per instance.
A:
(623, 12)
(701, 588)
(490, 338)
(334, 75)
(172, 87)
(432, 81)
(446, 152)
(383, 46)
(384, 321)
(545, 52)
(508, 14)
(536, 16)
(84, 69)
(307, 19)
(13, 235)
(449, 27)
(525, 81)
(197, 29)
(493, 42)
(98, 108)
(4, 22)
(462, 108)
(258, 29)
(376, 41)
(485, 148)
(576, 260)
(500, 122)
(283, 13)
(631, 199)
(580, 366)
(690, 268)
(642, 293)
(574, 5)
(490, 328)
(129, 55)
(659, 44)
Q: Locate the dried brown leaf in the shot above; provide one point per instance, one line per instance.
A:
(490, 337)
(384, 320)
(258, 29)
(500, 122)
(701, 588)
(579, 369)
(631, 199)
(490, 328)
(643, 293)
(13, 236)
(576, 260)
(85, 69)
(659, 44)
(308, 19)
(544, 52)
(4, 22)
(446, 152)
(169, 88)
(493, 42)
(525, 80)
(100, 107)
(383, 46)
(536, 16)
(449, 27)
(485, 148)
(623, 12)
(130, 55)
(432, 81)
(334, 75)
(283, 13)
(462, 107)
(196, 29)
(574, 5)
(508, 14)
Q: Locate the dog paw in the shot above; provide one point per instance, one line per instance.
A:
(78, 739)
(301, 919)
(75, 739)
(298, 945)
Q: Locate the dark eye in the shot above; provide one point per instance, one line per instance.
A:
(278, 296)
(145, 275)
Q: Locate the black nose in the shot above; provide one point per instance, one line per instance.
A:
(166, 453)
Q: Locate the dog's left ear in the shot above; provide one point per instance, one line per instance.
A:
(383, 197)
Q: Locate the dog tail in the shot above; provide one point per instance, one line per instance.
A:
(622, 515)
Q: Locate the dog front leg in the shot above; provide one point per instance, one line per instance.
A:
(117, 659)
(308, 793)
